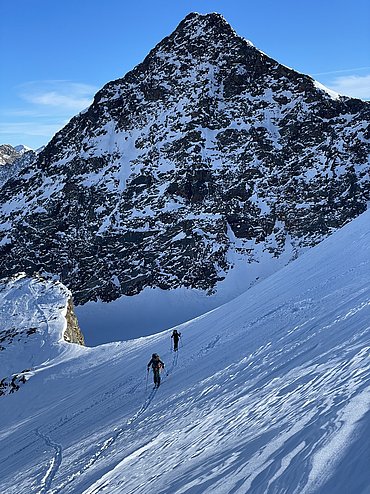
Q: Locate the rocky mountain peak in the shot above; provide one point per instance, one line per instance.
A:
(13, 159)
(200, 27)
(21, 149)
(8, 154)
(206, 156)
(198, 43)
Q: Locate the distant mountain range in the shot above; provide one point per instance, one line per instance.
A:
(9, 154)
(207, 156)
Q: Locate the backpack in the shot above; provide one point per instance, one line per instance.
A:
(156, 362)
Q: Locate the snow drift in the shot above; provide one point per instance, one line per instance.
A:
(269, 393)
(36, 318)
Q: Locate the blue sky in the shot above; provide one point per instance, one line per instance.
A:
(56, 55)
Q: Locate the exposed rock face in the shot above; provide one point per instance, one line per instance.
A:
(206, 150)
(8, 154)
(73, 333)
(12, 160)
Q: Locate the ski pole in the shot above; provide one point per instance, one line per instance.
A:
(146, 382)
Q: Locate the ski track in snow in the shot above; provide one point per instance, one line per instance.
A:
(301, 379)
(54, 463)
(264, 409)
(103, 449)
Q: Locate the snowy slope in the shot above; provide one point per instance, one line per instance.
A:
(269, 393)
(32, 325)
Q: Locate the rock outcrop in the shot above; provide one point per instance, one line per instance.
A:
(73, 333)
(8, 154)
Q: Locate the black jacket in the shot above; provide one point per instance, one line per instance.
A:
(156, 363)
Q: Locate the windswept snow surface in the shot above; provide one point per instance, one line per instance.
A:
(269, 393)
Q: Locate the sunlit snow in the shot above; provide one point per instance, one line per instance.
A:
(269, 393)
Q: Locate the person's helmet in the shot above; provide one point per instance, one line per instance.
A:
(154, 355)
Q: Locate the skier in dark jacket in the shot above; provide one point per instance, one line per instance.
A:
(176, 336)
(157, 365)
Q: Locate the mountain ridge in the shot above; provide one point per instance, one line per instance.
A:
(205, 152)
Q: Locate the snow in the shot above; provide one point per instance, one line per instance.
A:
(32, 304)
(21, 149)
(330, 92)
(268, 393)
(179, 236)
(125, 318)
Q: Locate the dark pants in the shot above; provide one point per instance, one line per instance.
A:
(175, 344)
(157, 377)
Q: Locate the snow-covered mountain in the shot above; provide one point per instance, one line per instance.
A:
(268, 394)
(8, 153)
(21, 149)
(13, 160)
(208, 158)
